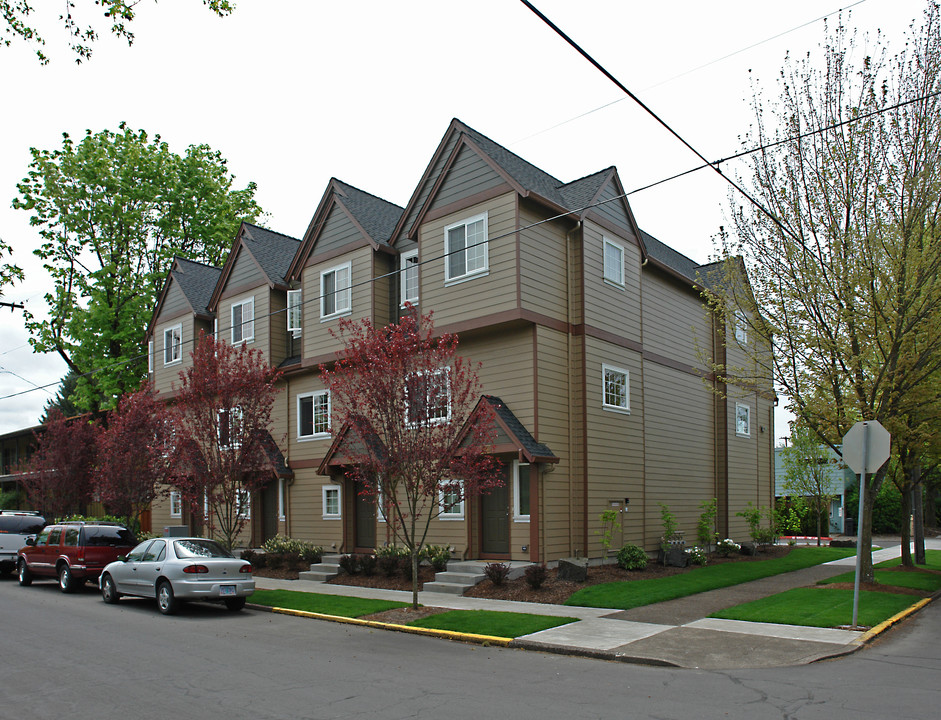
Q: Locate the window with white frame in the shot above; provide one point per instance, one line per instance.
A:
(521, 491)
(451, 500)
(382, 504)
(176, 504)
(281, 499)
(613, 262)
(243, 320)
(173, 344)
(465, 248)
(335, 292)
(742, 420)
(616, 388)
(331, 502)
(741, 326)
(428, 397)
(229, 428)
(295, 312)
(313, 415)
(408, 277)
(150, 356)
(243, 501)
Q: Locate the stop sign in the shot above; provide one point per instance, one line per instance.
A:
(868, 432)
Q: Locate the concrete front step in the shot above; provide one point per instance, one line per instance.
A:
(327, 569)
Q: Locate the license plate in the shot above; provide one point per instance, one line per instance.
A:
(227, 589)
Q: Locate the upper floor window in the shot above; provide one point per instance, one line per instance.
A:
(428, 397)
(408, 277)
(173, 344)
(465, 248)
(313, 414)
(617, 391)
(229, 428)
(295, 314)
(613, 262)
(451, 501)
(742, 420)
(335, 291)
(244, 504)
(243, 320)
(741, 326)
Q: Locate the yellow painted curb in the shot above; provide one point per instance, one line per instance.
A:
(449, 634)
(886, 624)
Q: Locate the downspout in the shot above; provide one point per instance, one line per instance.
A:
(568, 364)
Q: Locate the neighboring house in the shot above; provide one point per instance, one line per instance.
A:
(840, 480)
(591, 333)
(16, 448)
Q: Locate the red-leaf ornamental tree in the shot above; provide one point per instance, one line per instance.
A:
(58, 481)
(133, 455)
(402, 399)
(221, 416)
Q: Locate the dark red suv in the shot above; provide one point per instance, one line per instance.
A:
(73, 552)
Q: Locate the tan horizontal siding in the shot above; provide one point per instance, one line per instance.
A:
(610, 307)
(543, 266)
(676, 323)
(317, 338)
(174, 303)
(469, 174)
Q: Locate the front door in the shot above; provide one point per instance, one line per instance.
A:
(365, 517)
(269, 510)
(495, 521)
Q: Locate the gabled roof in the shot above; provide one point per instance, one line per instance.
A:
(533, 451)
(374, 217)
(196, 281)
(665, 255)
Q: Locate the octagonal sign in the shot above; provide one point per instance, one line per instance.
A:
(877, 437)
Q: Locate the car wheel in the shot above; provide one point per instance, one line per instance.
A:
(109, 593)
(67, 583)
(235, 604)
(26, 577)
(166, 603)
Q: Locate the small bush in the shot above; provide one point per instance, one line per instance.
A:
(437, 556)
(275, 560)
(249, 555)
(727, 547)
(697, 556)
(497, 572)
(312, 554)
(536, 575)
(632, 557)
(387, 564)
(367, 564)
(349, 564)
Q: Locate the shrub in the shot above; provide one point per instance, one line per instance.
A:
(669, 526)
(632, 557)
(389, 559)
(249, 555)
(437, 556)
(275, 560)
(497, 572)
(727, 547)
(705, 531)
(298, 550)
(536, 575)
(753, 516)
(697, 556)
(367, 564)
(349, 564)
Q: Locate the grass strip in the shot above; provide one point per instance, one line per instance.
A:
(819, 607)
(339, 605)
(928, 582)
(628, 594)
(932, 561)
(490, 622)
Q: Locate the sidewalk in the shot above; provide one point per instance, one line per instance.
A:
(676, 633)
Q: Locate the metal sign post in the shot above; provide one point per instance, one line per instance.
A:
(859, 523)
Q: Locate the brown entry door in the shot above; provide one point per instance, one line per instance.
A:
(365, 508)
(495, 521)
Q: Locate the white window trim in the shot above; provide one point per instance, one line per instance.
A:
(281, 499)
(339, 514)
(403, 267)
(315, 435)
(337, 293)
(741, 327)
(176, 499)
(626, 409)
(517, 516)
(457, 511)
(234, 443)
(747, 409)
(295, 312)
(604, 268)
(446, 371)
(485, 270)
(249, 324)
(178, 347)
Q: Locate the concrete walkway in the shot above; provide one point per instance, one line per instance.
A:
(675, 633)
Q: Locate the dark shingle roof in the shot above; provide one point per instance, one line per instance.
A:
(517, 429)
(579, 193)
(670, 257)
(197, 281)
(377, 217)
(273, 251)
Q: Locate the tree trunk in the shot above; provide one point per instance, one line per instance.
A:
(818, 526)
(415, 551)
(919, 513)
(871, 483)
(906, 526)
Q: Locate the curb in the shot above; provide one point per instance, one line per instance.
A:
(873, 633)
(447, 634)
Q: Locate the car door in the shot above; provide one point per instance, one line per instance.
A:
(126, 574)
(149, 567)
(47, 553)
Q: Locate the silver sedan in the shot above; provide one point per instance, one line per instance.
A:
(177, 569)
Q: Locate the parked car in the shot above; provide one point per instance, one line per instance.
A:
(174, 570)
(16, 527)
(73, 552)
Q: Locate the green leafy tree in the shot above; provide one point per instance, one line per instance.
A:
(112, 210)
(807, 473)
(9, 273)
(845, 267)
(17, 22)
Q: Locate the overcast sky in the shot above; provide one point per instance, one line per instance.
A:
(293, 92)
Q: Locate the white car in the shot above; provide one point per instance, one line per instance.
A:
(173, 570)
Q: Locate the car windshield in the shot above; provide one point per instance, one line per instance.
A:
(108, 536)
(200, 549)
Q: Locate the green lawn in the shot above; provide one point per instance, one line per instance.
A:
(488, 622)
(340, 605)
(635, 593)
(819, 607)
(932, 561)
(929, 582)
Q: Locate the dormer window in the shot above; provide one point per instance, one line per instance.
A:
(173, 344)
(294, 313)
(408, 277)
(465, 249)
(613, 262)
(243, 320)
(335, 292)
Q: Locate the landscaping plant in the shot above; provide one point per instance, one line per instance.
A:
(632, 557)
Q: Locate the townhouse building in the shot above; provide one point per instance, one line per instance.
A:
(595, 344)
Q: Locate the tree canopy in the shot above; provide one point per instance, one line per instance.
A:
(112, 211)
(18, 21)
